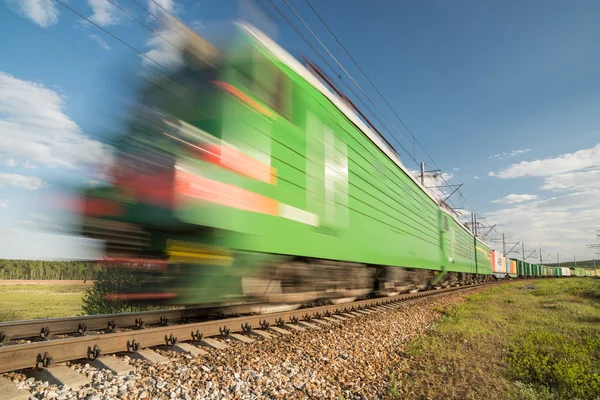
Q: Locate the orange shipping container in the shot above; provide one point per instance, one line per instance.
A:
(513, 267)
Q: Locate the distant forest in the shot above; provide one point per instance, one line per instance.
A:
(582, 264)
(37, 269)
(82, 270)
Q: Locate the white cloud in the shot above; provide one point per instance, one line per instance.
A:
(4, 203)
(164, 49)
(456, 169)
(581, 180)
(517, 152)
(21, 181)
(29, 165)
(38, 216)
(161, 6)
(105, 13)
(586, 158)
(101, 42)
(162, 52)
(562, 224)
(42, 12)
(435, 184)
(476, 177)
(511, 153)
(565, 222)
(35, 128)
(516, 198)
(9, 162)
(44, 226)
(19, 243)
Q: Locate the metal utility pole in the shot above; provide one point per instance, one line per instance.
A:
(558, 259)
(523, 250)
(574, 260)
(423, 173)
(503, 245)
(541, 262)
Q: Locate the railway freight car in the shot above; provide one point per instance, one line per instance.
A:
(499, 264)
(247, 175)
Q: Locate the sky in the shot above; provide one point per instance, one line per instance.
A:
(504, 96)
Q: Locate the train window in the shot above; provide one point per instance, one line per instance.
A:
(264, 76)
(261, 77)
(283, 101)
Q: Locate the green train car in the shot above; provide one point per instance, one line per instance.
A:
(247, 175)
(579, 271)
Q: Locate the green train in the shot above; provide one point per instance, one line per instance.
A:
(246, 175)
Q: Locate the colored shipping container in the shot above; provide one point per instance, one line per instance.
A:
(498, 262)
(513, 267)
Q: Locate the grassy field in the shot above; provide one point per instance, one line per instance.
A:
(40, 301)
(537, 339)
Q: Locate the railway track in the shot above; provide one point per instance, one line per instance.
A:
(136, 331)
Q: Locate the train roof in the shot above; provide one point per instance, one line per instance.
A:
(309, 77)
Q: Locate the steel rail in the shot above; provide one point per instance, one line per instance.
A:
(58, 326)
(28, 355)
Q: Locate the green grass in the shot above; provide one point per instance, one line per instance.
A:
(19, 302)
(510, 342)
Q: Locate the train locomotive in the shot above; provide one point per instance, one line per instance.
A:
(246, 176)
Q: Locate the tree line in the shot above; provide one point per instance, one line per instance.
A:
(39, 269)
(581, 264)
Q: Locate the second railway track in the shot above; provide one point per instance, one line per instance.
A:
(165, 327)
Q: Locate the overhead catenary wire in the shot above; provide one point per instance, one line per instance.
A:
(157, 18)
(343, 69)
(303, 37)
(372, 84)
(164, 9)
(159, 73)
(110, 33)
(322, 58)
(144, 25)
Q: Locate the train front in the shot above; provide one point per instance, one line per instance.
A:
(167, 163)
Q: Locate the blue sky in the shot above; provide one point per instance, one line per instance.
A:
(505, 97)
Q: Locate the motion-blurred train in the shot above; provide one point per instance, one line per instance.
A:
(247, 176)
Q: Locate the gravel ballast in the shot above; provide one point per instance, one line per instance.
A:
(349, 360)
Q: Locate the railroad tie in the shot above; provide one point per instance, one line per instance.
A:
(59, 375)
(9, 390)
(113, 364)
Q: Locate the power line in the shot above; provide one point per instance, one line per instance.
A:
(362, 90)
(293, 26)
(143, 24)
(157, 18)
(343, 69)
(373, 85)
(131, 47)
(164, 9)
(111, 34)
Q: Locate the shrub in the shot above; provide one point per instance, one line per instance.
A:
(112, 281)
(558, 362)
